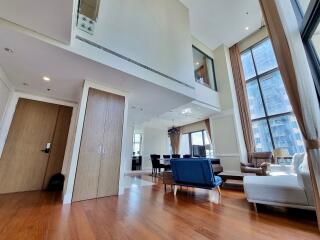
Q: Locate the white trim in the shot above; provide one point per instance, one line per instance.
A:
(69, 184)
(227, 155)
(223, 114)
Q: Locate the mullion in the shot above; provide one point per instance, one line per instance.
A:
(263, 74)
(261, 94)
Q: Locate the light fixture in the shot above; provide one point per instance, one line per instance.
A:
(247, 28)
(45, 78)
(197, 63)
(9, 50)
(186, 111)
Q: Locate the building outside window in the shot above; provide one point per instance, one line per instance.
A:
(203, 69)
(308, 17)
(137, 142)
(273, 122)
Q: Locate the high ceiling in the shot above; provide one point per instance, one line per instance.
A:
(32, 59)
(180, 116)
(216, 22)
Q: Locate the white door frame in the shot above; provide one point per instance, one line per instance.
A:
(8, 117)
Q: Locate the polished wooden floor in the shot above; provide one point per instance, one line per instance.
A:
(149, 213)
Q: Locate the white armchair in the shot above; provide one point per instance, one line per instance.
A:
(287, 186)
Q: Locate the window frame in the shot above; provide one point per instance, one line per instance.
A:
(308, 23)
(257, 78)
(139, 142)
(214, 87)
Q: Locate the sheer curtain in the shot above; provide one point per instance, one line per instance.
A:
(284, 32)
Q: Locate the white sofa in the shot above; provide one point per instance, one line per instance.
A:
(286, 186)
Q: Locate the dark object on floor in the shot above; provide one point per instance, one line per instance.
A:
(56, 183)
(136, 162)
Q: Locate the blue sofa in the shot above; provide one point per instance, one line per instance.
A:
(194, 172)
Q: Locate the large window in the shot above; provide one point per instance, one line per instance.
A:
(137, 142)
(203, 69)
(308, 16)
(195, 138)
(273, 123)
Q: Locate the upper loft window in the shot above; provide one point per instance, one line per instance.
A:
(203, 69)
(273, 122)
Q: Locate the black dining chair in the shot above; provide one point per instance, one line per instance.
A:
(176, 156)
(156, 165)
(166, 156)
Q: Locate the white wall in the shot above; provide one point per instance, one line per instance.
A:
(154, 33)
(154, 141)
(226, 126)
(5, 93)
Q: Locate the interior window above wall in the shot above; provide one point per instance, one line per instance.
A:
(204, 69)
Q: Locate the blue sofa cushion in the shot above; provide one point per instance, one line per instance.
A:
(194, 172)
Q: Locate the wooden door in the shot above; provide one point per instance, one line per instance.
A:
(87, 175)
(59, 143)
(23, 164)
(112, 143)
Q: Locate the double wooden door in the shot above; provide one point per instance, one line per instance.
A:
(100, 151)
(26, 164)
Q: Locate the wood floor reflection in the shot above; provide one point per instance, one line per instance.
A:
(149, 213)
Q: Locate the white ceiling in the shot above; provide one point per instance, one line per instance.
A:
(176, 117)
(216, 22)
(52, 18)
(32, 59)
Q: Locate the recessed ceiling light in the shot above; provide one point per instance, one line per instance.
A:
(9, 50)
(197, 63)
(186, 111)
(247, 28)
(47, 79)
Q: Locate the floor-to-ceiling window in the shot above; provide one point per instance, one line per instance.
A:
(273, 123)
(308, 16)
(199, 138)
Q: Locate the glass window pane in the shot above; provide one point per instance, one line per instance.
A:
(303, 4)
(261, 136)
(247, 65)
(264, 56)
(196, 138)
(137, 138)
(255, 101)
(206, 138)
(286, 134)
(316, 41)
(184, 144)
(203, 68)
(274, 94)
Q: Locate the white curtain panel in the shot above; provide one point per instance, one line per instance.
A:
(307, 91)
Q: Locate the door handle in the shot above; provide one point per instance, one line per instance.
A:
(47, 148)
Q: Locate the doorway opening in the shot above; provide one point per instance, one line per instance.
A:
(35, 146)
